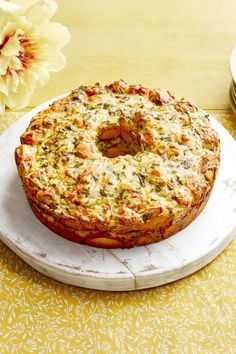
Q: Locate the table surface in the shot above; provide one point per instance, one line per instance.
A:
(183, 46)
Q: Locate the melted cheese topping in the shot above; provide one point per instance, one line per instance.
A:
(115, 155)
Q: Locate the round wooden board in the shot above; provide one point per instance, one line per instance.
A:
(137, 268)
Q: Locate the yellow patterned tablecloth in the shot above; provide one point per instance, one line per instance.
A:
(193, 315)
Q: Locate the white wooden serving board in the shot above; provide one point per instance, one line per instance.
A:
(137, 268)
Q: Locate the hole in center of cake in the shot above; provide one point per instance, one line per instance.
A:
(114, 141)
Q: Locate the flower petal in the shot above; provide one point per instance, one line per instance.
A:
(12, 81)
(24, 4)
(42, 11)
(57, 62)
(12, 47)
(29, 78)
(15, 63)
(12, 27)
(4, 63)
(9, 8)
(2, 103)
(20, 98)
(42, 73)
(6, 30)
(59, 34)
(3, 86)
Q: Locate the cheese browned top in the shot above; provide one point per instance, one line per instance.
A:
(118, 157)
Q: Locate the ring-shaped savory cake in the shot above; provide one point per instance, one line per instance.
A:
(118, 165)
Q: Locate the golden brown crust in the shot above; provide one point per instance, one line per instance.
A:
(103, 239)
(118, 166)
